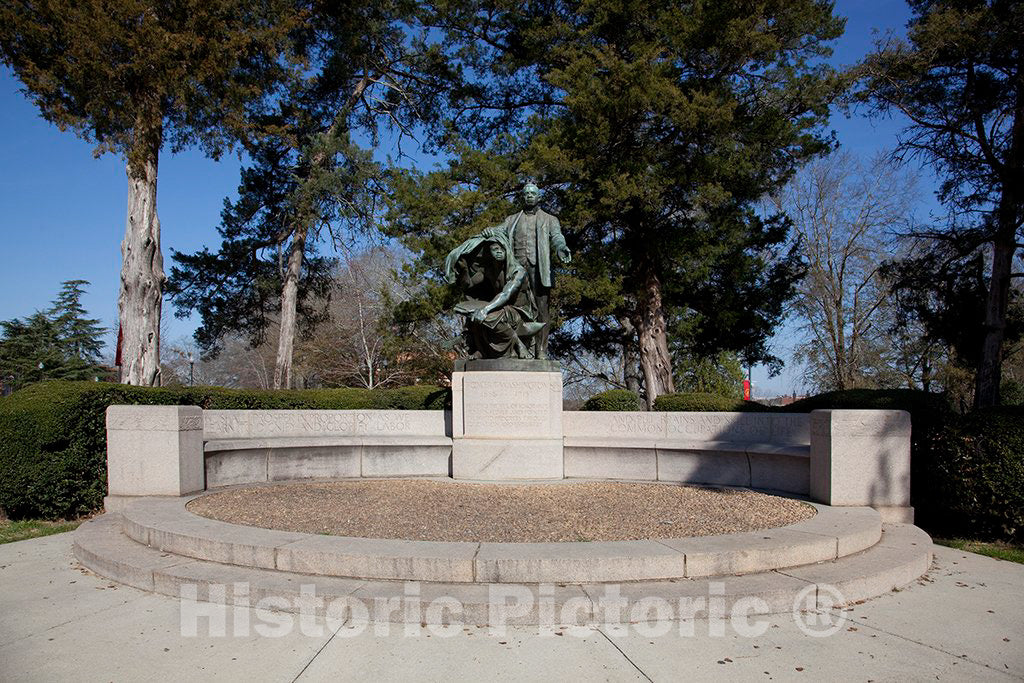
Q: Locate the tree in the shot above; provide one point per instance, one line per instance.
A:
(80, 337)
(846, 217)
(373, 65)
(722, 375)
(941, 286)
(655, 127)
(959, 80)
(56, 344)
(134, 76)
(351, 347)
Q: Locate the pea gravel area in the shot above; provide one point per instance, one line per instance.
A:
(424, 510)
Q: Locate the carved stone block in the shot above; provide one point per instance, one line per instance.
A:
(507, 425)
(154, 450)
(860, 457)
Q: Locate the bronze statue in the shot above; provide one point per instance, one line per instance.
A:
(505, 274)
(501, 315)
(533, 232)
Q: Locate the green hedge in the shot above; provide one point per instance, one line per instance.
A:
(698, 402)
(53, 434)
(614, 400)
(976, 475)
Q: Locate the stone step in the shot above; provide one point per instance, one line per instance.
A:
(902, 555)
(164, 524)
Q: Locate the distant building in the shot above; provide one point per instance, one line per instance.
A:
(784, 400)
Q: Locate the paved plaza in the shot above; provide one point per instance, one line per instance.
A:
(964, 620)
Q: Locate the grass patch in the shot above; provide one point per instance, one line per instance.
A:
(33, 528)
(998, 550)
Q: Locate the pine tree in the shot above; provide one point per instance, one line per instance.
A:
(372, 66)
(60, 343)
(960, 81)
(134, 77)
(656, 128)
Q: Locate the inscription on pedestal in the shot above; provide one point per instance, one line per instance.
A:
(502, 406)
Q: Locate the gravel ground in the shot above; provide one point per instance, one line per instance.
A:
(502, 513)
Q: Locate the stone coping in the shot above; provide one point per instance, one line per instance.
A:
(795, 450)
(506, 365)
(902, 554)
(164, 524)
(218, 445)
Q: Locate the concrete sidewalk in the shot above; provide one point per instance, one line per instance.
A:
(964, 620)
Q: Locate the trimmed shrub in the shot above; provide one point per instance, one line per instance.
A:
(913, 401)
(977, 475)
(53, 434)
(704, 403)
(413, 398)
(615, 400)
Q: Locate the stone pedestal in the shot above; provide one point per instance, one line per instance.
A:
(862, 457)
(507, 424)
(154, 450)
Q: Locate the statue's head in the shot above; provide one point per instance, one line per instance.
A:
(497, 251)
(531, 194)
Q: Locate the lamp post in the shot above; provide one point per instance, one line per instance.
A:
(191, 368)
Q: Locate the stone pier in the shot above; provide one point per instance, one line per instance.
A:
(507, 420)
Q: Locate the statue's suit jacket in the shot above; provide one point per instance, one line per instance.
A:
(549, 235)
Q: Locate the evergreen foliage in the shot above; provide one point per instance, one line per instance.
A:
(613, 400)
(134, 77)
(958, 79)
(704, 402)
(371, 66)
(62, 340)
(654, 127)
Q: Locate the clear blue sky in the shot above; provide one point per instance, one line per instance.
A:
(63, 211)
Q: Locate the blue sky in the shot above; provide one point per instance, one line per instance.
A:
(63, 211)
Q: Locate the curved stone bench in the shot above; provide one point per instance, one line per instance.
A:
(285, 458)
(778, 467)
(164, 524)
(838, 457)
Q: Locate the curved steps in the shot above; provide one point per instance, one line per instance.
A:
(900, 555)
(165, 524)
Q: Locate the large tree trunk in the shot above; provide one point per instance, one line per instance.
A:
(652, 338)
(630, 357)
(986, 387)
(289, 303)
(142, 271)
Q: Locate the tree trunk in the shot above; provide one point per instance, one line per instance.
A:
(630, 357)
(142, 270)
(655, 360)
(289, 303)
(1004, 246)
(290, 288)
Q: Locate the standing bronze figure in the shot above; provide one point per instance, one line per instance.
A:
(507, 300)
